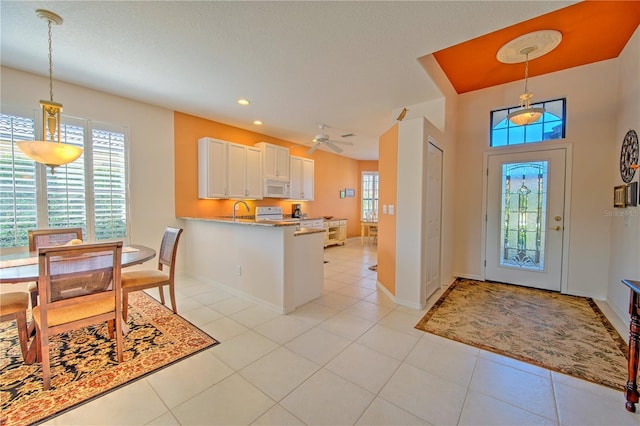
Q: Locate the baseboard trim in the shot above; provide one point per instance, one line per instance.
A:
(469, 276)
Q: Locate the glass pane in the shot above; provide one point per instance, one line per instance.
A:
(499, 137)
(533, 132)
(523, 215)
(499, 119)
(555, 108)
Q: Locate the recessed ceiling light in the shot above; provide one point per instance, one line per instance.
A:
(258, 123)
(243, 102)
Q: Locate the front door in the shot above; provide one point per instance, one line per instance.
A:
(525, 218)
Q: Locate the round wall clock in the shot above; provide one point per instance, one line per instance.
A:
(629, 156)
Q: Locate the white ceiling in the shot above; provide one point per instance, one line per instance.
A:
(346, 64)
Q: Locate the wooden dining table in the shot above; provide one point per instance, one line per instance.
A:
(23, 267)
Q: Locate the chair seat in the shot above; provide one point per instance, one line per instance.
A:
(142, 279)
(71, 313)
(11, 303)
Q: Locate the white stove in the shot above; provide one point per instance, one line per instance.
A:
(269, 213)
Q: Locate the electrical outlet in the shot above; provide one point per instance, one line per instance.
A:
(239, 270)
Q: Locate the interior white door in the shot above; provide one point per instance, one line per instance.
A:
(525, 218)
(433, 218)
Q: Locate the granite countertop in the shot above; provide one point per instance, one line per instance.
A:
(241, 221)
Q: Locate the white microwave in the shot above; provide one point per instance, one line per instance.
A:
(277, 188)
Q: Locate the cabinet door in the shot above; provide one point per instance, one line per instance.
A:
(212, 170)
(307, 179)
(270, 161)
(254, 173)
(296, 178)
(342, 231)
(282, 163)
(236, 170)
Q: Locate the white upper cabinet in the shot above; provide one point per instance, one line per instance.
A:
(275, 160)
(302, 170)
(254, 173)
(228, 170)
(212, 168)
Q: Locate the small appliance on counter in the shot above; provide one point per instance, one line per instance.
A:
(296, 210)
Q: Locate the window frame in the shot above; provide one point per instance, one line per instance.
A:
(41, 171)
(376, 190)
(510, 109)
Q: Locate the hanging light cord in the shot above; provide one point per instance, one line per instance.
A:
(526, 72)
(50, 63)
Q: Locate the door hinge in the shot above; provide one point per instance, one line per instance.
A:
(487, 172)
(485, 263)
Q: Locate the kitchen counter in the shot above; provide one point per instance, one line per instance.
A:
(251, 221)
(268, 262)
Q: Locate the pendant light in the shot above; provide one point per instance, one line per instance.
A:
(50, 150)
(526, 114)
(523, 48)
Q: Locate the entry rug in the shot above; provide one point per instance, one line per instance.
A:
(83, 362)
(567, 334)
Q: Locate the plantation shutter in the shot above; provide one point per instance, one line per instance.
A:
(66, 187)
(109, 184)
(18, 198)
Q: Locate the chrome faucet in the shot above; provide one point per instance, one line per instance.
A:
(234, 207)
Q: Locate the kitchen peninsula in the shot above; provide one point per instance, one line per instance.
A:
(268, 262)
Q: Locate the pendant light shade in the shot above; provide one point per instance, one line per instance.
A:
(50, 150)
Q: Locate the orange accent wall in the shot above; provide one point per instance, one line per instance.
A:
(332, 173)
(388, 171)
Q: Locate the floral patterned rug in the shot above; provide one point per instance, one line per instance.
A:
(568, 334)
(83, 362)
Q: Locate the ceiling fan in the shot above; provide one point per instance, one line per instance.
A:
(322, 139)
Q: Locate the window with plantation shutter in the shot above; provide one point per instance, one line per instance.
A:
(18, 203)
(109, 185)
(90, 193)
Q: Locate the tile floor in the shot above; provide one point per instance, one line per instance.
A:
(350, 357)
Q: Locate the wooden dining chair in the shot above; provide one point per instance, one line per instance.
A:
(13, 306)
(79, 286)
(49, 237)
(144, 279)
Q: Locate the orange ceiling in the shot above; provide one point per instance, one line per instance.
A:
(592, 31)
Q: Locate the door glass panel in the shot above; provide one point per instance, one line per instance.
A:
(523, 215)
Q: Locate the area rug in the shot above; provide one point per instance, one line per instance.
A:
(83, 362)
(567, 334)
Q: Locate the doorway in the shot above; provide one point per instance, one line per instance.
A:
(526, 209)
(433, 218)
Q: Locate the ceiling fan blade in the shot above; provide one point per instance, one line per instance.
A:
(333, 147)
(313, 148)
(347, 143)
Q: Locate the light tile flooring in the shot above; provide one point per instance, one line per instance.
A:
(350, 357)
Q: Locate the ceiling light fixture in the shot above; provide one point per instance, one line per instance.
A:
(526, 114)
(258, 123)
(50, 150)
(243, 102)
(523, 48)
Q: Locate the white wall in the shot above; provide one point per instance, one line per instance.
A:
(151, 149)
(591, 93)
(625, 223)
